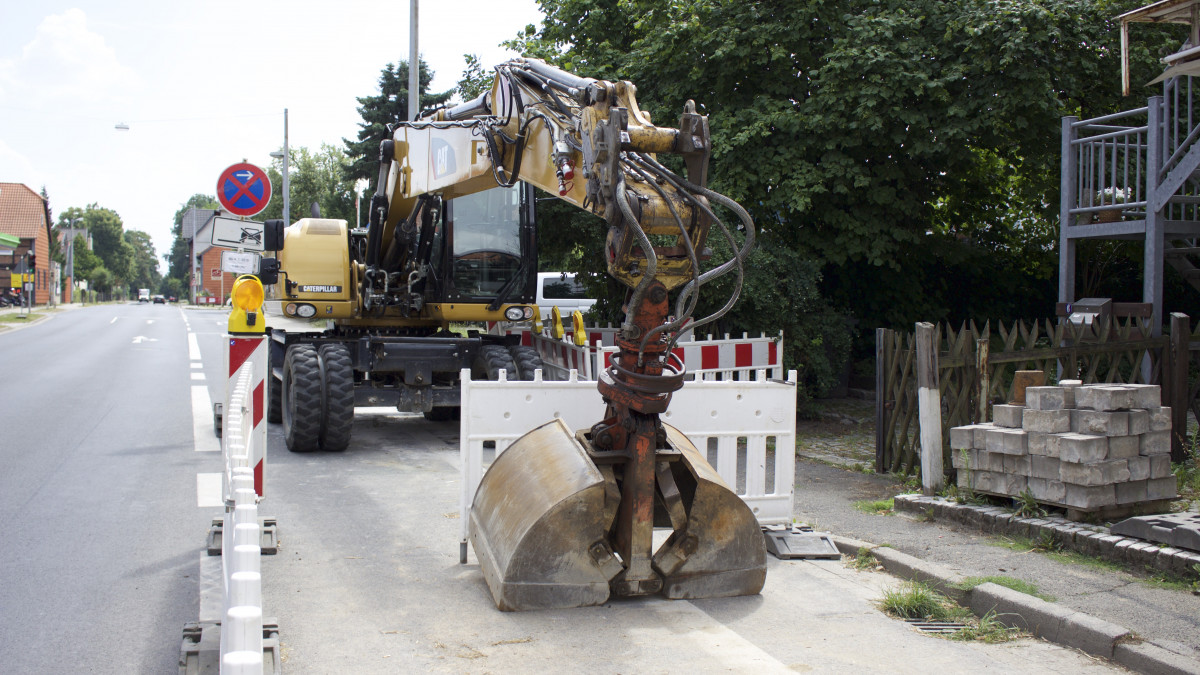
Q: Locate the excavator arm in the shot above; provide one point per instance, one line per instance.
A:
(585, 528)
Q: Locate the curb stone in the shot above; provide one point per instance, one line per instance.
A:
(1043, 619)
(1095, 540)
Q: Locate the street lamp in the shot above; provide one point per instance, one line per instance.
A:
(287, 214)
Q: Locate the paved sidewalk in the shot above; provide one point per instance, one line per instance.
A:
(1166, 617)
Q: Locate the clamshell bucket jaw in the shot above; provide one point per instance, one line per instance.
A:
(543, 519)
(539, 524)
(720, 551)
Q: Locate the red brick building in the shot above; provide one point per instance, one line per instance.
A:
(23, 214)
(208, 279)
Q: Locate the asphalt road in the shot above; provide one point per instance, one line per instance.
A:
(98, 492)
(107, 437)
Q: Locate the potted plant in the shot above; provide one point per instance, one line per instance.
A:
(1114, 199)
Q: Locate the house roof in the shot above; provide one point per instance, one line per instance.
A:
(22, 211)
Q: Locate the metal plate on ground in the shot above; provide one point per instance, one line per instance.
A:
(799, 541)
(1181, 530)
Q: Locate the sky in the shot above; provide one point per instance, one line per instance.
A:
(202, 84)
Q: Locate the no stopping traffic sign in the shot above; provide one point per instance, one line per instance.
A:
(244, 189)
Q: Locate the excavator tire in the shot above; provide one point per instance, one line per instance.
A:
(490, 361)
(274, 400)
(338, 372)
(527, 360)
(301, 399)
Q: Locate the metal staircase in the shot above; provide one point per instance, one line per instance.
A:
(1135, 175)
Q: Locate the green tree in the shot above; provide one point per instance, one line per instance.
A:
(319, 177)
(896, 143)
(86, 262)
(475, 80)
(144, 268)
(388, 107)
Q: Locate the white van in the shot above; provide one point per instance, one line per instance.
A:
(562, 290)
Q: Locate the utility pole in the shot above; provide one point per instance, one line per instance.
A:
(414, 64)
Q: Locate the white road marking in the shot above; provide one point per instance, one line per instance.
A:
(198, 376)
(193, 347)
(202, 420)
(208, 490)
(142, 338)
(114, 320)
(197, 364)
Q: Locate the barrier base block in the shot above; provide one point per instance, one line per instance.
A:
(268, 536)
(200, 652)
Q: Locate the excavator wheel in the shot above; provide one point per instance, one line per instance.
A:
(301, 399)
(527, 361)
(274, 400)
(338, 413)
(490, 361)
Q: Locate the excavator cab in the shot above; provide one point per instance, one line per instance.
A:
(484, 248)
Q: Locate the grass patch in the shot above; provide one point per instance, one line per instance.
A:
(1073, 558)
(914, 600)
(1019, 585)
(987, 629)
(14, 317)
(864, 560)
(880, 507)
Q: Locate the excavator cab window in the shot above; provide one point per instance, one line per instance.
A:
(482, 244)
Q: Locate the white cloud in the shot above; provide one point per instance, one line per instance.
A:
(66, 61)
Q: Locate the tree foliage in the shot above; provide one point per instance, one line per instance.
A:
(144, 265)
(907, 149)
(320, 177)
(387, 107)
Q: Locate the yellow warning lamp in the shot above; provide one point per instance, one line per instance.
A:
(246, 317)
(580, 336)
(556, 327)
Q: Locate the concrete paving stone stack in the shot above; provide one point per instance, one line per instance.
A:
(1085, 447)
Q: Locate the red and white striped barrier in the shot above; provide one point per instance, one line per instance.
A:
(560, 357)
(726, 359)
(244, 449)
(246, 357)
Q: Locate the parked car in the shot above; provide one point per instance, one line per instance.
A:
(562, 290)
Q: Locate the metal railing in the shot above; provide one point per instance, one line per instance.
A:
(1110, 161)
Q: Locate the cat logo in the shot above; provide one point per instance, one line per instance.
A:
(442, 158)
(320, 289)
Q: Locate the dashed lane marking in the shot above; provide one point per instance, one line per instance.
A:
(208, 490)
(202, 420)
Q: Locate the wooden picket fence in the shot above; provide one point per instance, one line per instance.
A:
(976, 365)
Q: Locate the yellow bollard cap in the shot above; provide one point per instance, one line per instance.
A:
(556, 327)
(581, 337)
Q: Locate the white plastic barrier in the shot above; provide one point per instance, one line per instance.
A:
(243, 445)
(739, 425)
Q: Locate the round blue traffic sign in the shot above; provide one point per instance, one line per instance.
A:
(244, 189)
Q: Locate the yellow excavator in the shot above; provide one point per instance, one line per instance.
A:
(561, 518)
